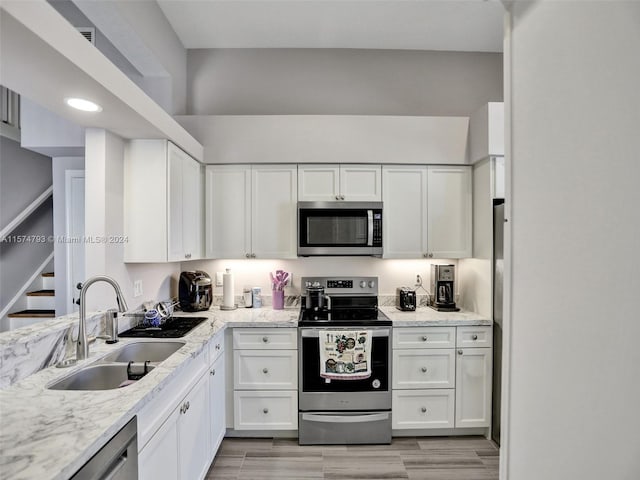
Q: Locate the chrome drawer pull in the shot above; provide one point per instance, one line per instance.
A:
(265, 339)
(425, 338)
(474, 337)
(265, 410)
(265, 370)
(424, 409)
(424, 369)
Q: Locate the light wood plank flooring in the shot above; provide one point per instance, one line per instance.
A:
(421, 458)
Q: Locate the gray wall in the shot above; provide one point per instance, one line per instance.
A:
(343, 81)
(572, 242)
(24, 175)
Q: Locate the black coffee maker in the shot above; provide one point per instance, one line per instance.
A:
(194, 291)
(443, 288)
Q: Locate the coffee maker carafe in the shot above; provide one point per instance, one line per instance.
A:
(443, 288)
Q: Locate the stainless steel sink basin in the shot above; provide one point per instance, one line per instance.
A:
(96, 377)
(144, 352)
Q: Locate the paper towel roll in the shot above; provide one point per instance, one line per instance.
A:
(227, 289)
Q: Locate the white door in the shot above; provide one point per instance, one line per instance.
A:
(217, 405)
(318, 183)
(404, 229)
(274, 211)
(176, 159)
(159, 457)
(361, 183)
(194, 430)
(449, 213)
(227, 211)
(191, 209)
(74, 229)
(473, 387)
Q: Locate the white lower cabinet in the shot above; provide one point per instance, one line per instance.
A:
(265, 379)
(217, 400)
(180, 448)
(442, 387)
(473, 387)
(423, 408)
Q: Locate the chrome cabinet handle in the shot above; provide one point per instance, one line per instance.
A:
(253, 255)
(247, 255)
(425, 338)
(341, 197)
(265, 339)
(430, 255)
(265, 370)
(424, 369)
(337, 197)
(474, 337)
(217, 346)
(424, 409)
(459, 352)
(212, 372)
(265, 410)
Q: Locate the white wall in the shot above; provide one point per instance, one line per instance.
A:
(572, 328)
(104, 218)
(340, 82)
(255, 273)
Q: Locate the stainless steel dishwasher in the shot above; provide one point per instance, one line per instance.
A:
(117, 460)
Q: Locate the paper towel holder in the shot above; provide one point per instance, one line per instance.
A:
(228, 292)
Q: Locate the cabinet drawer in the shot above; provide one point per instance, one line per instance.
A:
(423, 408)
(424, 337)
(428, 368)
(216, 347)
(265, 338)
(265, 369)
(474, 337)
(265, 410)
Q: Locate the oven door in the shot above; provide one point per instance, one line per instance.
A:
(339, 228)
(317, 393)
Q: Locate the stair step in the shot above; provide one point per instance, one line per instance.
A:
(42, 293)
(33, 313)
(48, 274)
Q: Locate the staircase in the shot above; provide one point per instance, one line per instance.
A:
(40, 305)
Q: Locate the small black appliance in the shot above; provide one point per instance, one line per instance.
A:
(405, 299)
(194, 291)
(443, 288)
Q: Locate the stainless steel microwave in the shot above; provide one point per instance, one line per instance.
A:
(339, 228)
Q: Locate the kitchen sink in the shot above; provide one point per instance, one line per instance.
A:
(97, 377)
(144, 352)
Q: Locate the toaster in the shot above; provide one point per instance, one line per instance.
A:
(405, 299)
(194, 291)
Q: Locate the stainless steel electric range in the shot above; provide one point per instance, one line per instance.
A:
(343, 410)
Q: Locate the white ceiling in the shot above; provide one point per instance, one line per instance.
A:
(457, 25)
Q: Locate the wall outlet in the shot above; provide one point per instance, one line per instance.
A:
(219, 279)
(418, 280)
(137, 288)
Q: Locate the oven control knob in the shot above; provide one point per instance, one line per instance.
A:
(363, 284)
(375, 383)
(372, 284)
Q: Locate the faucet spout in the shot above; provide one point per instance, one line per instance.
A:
(82, 346)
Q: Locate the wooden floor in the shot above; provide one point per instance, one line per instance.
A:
(422, 458)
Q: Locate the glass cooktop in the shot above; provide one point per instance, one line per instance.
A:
(343, 317)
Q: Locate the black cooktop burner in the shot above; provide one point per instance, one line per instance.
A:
(343, 318)
(175, 327)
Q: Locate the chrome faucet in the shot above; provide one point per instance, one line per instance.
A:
(82, 347)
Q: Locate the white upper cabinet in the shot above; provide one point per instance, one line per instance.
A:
(163, 203)
(427, 211)
(449, 212)
(486, 132)
(251, 211)
(353, 183)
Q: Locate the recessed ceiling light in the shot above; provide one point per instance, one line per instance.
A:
(82, 104)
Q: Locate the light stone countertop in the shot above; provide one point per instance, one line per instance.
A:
(50, 434)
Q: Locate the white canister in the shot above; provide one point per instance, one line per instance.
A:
(257, 297)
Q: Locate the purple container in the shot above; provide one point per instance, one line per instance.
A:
(277, 299)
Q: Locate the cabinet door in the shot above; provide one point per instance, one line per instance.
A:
(217, 405)
(273, 211)
(449, 212)
(191, 209)
(428, 368)
(318, 183)
(404, 228)
(423, 408)
(194, 431)
(175, 185)
(473, 387)
(159, 457)
(228, 211)
(265, 410)
(361, 183)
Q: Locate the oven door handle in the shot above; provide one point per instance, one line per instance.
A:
(370, 229)
(313, 332)
(373, 417)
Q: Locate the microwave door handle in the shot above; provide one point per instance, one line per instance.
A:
(370, 232)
